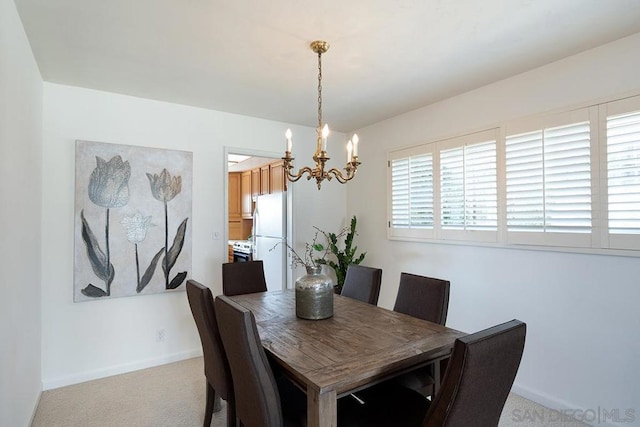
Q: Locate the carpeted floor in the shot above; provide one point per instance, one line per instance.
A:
(172, 395)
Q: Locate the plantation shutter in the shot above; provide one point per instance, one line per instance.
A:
(452, 188)
(548, 180)
(525, 182)
(468, 190)
(412, 191)
(623, 173)
(481, 204)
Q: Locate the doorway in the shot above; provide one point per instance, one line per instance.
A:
(258, 212)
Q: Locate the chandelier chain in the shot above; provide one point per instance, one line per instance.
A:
(319, 91)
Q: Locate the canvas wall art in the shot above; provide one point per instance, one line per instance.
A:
(132, 220)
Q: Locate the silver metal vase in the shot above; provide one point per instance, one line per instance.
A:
(314, 295)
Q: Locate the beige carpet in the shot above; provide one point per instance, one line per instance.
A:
(173, 396)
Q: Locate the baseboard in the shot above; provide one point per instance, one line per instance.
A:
(35, 406)
(590, 416)
(119, 369)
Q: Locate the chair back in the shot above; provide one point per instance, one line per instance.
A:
(256, 390)
(423, 297)
(243, 278)
(479, 377)
(216, 366)
(362, 283)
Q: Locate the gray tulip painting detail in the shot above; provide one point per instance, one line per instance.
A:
(137, 226)
(108, 188)
(164, 188)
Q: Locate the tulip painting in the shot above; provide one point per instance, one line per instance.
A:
(164, 188)
(108, 188)
(123, 235)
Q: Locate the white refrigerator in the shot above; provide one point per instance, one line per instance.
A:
(270, 238)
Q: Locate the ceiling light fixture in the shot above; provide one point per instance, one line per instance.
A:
(320, 157)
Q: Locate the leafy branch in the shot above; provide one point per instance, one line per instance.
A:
(343, 257)
(314, 253)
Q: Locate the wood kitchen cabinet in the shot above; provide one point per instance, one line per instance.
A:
(276, 176)
(246, 188)
(255, 183)
(264, 180)
(271, 179)
(235, 206)
(235, 201)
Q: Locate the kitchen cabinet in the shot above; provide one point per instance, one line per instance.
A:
(235, 201)
(276, 176)
(235, 205)
(264, 180)
(235, 230)
(255, 183)
(247, 202)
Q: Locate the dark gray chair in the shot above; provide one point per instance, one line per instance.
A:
(423, 297)
(243, 278)
(262, 399)
(475, 388)
(362, 283)
(216, 366)
(426, 298)
(479, 377)
(256, 390)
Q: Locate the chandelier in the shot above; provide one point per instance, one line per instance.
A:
(320, 157)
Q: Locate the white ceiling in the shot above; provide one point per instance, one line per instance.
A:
(252, 57)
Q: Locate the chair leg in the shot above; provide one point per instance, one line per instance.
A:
(213, 405)
(231, 414)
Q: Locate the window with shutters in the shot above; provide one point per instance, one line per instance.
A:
(468, 187)
(411, 180)
(462, 171)
(548, 181)
(562, 181)
(622, 179)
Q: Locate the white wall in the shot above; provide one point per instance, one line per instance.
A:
(583, 341)
(93, 339)
(20, 190)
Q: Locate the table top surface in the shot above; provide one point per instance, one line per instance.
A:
(359, 345)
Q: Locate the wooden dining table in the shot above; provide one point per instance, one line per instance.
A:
(360, 345)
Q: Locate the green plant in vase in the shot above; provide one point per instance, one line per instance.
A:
(344, 257)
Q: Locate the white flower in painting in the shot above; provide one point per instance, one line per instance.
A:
(137, 226)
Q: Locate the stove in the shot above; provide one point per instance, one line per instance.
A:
(242, 246)
(242, 251)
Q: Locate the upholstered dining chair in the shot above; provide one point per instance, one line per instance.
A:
(423, 297)
(262, 400)
(258, 398)
(243, 278)
(216, 365)
(426, 298)
(362, 283)
(475, 388)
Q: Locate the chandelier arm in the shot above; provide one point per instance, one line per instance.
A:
(295, 177)
(337, 173)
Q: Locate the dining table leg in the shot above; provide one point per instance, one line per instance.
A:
(322, 409)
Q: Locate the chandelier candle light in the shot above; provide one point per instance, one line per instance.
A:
(320, 157)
